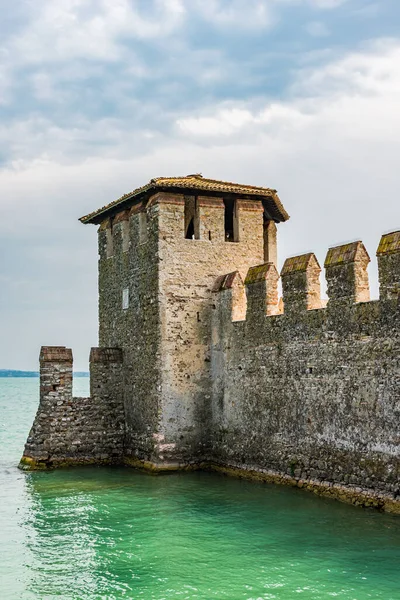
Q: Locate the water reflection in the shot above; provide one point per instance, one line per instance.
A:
(114, 533)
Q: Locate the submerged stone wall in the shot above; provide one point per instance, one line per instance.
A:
(312, 396)
(71, 430)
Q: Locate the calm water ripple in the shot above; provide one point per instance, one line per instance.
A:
(98, 533)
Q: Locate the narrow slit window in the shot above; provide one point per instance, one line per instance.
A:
(231, 221)
(192, 221)
(190, 230)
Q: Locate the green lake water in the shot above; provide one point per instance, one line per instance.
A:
(102, 533)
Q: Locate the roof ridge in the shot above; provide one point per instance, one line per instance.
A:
(191, 182)
(200, 177)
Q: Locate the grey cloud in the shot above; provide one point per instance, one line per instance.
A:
(81, 125)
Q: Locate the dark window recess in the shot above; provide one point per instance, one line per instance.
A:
(192, 221)
(230, 221)
(190, 230)
(55, 387)
(209, 235)
(198, 317)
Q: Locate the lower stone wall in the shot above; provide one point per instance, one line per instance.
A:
(350, 494)
(69, 430)
(313, 399)
(73, 431)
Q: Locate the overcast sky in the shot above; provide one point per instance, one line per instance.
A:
(99, 96)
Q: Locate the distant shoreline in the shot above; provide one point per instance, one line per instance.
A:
(16, 373)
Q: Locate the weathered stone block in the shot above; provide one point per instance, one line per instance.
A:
(346, 273)
(262, 291)
(301, 283)
(388, 254)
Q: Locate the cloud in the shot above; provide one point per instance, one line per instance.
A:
(351, 89)
(327, 4)
(317, 29)
(99, 96)
(241, 14)
(69, 29)
(316, 4)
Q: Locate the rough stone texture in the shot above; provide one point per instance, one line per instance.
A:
(234, 282)
(135, 329)
(270, 242)
(186, 278)
(346, 273)
(300, 283)
(389, 266)
(262, 289)
(165, 331)
(312, 396)
(70, 430)
(197, 369)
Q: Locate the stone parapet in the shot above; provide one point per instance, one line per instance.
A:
(69, 430)
(55, 354)
(346, 273)
(300, 283)
(388, 254)
(262, 291)
(235, 296)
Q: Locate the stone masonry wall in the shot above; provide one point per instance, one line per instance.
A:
(187, 272)
(69, 430)
(128, 270)
(164, 329)
(313, 396)
(202, 365)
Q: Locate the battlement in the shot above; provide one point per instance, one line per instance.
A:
(73, 430)
(389, 266)
(346, 275)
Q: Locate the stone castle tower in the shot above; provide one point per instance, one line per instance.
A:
(200, 366)
(161, 249)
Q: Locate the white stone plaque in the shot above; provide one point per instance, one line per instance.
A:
(125, 298)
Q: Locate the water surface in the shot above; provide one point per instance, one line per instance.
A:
(102, 533)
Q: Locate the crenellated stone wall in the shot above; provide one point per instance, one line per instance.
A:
(202, 365)
(311, 397)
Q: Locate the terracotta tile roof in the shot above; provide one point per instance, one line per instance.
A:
(389, 244)
(259, 273)
(300, 263)
(348, 253)
(226, 282)
(196, 184)
(55, 354)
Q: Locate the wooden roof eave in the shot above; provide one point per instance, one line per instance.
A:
(272, 200)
